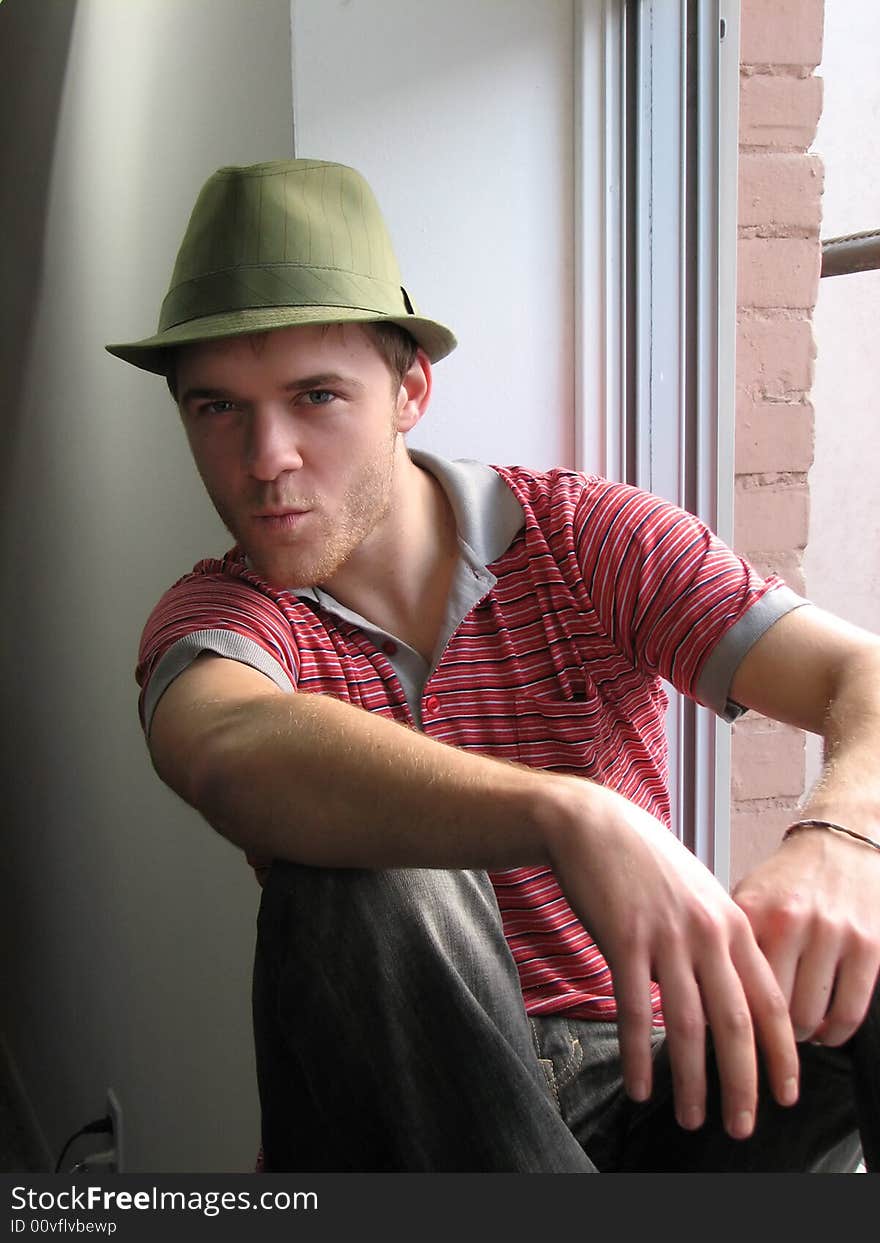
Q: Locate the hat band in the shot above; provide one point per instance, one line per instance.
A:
(283, 284)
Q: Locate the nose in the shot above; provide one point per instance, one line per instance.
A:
(272, 443)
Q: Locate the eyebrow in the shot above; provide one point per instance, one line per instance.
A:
(303, 384)
(201, 394)
(323, 379)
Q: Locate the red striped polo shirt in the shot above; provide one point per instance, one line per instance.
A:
(557, 660)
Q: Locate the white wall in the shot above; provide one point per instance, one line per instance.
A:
(461, 117)
(126, 924)
(842, 559)
(846, 392)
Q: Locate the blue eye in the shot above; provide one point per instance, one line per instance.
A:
(319, 397)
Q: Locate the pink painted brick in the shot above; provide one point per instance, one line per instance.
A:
(773, 436)
(755, 832)
(778, 272)
(769, 762)
(781, 32)
(774, 356)
(779, 111)
(788, 563)
(770, 518)
(780, 190)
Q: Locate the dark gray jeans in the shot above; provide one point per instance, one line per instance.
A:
(391, 1036)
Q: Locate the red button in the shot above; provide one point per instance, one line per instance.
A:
(389, 647)
(432, 703)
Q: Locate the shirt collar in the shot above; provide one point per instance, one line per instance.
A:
(487, 514)
(487, 517)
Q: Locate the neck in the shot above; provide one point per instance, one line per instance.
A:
(400, 576)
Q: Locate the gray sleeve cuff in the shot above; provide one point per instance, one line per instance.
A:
(222, 642)
(713, 684)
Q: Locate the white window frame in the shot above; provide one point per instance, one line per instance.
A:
(655, 353)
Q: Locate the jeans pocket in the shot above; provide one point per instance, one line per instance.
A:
(559, 1050)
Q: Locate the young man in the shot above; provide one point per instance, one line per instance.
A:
(428, 694)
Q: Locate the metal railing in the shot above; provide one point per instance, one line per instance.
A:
(856, 252)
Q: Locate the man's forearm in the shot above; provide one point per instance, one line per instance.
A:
(849, 788)
(310, 779)
(817, 672)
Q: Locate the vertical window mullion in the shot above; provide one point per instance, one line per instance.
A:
(684, 330)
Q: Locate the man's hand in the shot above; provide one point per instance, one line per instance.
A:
(815, 910)
(815, 904)
(656, 912)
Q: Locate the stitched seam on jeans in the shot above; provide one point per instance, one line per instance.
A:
(573, 1063)
(550, 1075)
(546, 1066)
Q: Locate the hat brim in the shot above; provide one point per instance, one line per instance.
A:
(152, 353)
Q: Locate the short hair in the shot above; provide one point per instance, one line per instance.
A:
(396, 346)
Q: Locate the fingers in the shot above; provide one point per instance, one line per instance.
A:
(827, 973)
(732, 989)
(727, 1011)
(774, 1033)
(686, 1041)
(783, 957)
(813, 987)
(739, 1000)
(635, 1020)
(851, 995)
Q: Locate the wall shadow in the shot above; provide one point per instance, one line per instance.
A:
(34, 46)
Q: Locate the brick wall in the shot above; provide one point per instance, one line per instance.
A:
(780, 187)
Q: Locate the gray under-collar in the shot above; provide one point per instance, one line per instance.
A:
(487, 513)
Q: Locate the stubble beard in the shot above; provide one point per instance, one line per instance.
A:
(331, 538)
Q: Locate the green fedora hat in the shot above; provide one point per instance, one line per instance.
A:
(273, 245)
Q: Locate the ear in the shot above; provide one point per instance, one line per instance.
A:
(414, 393)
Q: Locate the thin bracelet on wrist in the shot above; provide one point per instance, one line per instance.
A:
(829, 824)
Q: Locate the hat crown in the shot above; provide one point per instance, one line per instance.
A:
(305, 212)
(286, 232)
